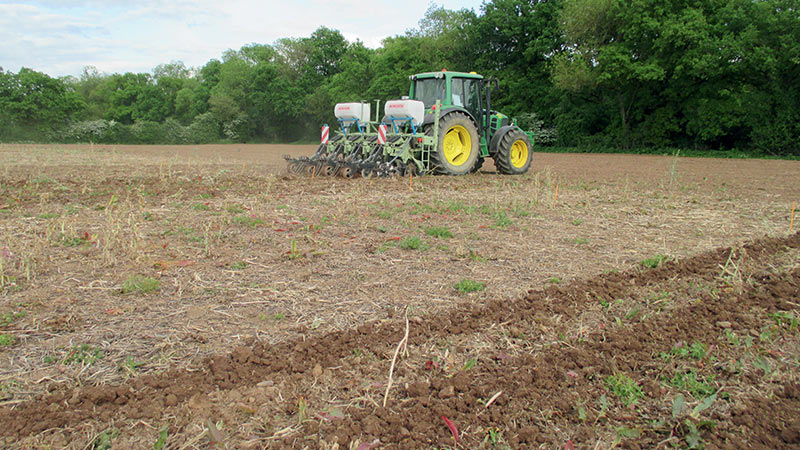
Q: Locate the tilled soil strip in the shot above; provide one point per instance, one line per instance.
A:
(523, 379)
(562, 378)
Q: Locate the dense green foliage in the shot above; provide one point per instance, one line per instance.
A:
(600, 74)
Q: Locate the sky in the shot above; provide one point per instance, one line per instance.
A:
(61, 37)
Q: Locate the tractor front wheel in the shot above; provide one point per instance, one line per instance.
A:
(514, 153)
(457, 149)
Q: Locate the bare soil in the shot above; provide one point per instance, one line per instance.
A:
(277, 303)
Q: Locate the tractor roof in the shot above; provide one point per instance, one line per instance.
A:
(447, 74)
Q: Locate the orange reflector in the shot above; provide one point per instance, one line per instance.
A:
(419, 140)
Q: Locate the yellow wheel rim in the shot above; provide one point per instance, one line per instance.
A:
(457, 145)
(519, 153)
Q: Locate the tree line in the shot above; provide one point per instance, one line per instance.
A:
(597, 74)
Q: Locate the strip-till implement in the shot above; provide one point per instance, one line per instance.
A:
(444, 126)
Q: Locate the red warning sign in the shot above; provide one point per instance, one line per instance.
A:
(325, 134)
(382, 134)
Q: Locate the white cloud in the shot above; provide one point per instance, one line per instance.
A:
(61, 37)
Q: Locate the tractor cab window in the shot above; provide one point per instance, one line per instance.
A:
(457, 91)
(429, 90)
(472, 96)
(466, 94)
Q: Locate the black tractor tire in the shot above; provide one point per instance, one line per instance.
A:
(458, 146)
(478, 164)
(514, 153)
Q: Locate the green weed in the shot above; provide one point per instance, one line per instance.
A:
(699, 387)
(238, 265)
(140, 284)
(501, 220)
(697, 350)
(11, 317)
(293, 252)
(248, 221)
(466, 286)
(163, 435)
(439, 232)
(654, 261)
(783, 318)
(130, 365)
(7, 340)
(412, 243)
(627, 390)
(103, 440)
(201, 207)
(474, 256)
(84, 354)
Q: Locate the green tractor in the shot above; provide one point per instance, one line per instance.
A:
(444, 126)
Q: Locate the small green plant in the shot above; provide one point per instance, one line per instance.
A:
(439, 232)
(783, 318)
(130, 366)
(302, 407)
(201, 207)
(691, 382)
(470, 363)
(466, 286)
(10, 317)
(654, 261)
(140, 284)
(293, 252)
(501, 220)
(628, 433)
(580, 241)
(278, 317)
(732, 338)
(763, 364)
(494, 438)
(103, 440)
(554, 280)
(250, 221)
(627, 390)
(74, 241)
(84, 354)
(163, 435)
(7, 340)
(42, 179)
(235, 209)
(238, 265)
(474, 256)
(577, 222)
(412, 243)
(697, 350)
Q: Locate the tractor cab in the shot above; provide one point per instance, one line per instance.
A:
(453, 89)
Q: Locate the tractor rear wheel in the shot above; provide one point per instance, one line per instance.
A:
(514, 153)
(457, 149)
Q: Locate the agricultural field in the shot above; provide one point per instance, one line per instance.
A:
(201, 297)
